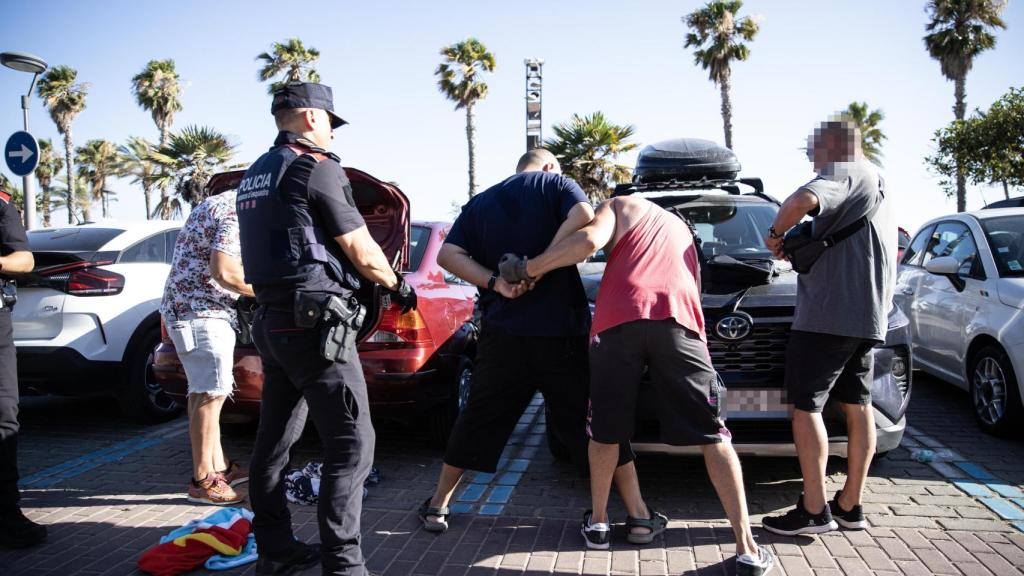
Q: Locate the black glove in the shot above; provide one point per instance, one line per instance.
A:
(404, 295)
(513, 269)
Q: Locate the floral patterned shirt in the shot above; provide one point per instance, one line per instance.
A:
(190, 290)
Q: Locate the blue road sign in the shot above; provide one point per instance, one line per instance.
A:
(21, 153)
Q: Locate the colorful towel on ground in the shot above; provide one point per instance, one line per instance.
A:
(223, 537)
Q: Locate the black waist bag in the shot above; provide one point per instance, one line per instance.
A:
(803, 249)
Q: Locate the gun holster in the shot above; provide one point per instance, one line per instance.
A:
(339, 321)
(8, 293)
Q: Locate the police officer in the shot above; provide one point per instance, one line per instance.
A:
(305, 251)
(16, 531)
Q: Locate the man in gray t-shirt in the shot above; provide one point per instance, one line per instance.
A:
(841, 314)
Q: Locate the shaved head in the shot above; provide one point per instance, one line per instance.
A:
(537, 160)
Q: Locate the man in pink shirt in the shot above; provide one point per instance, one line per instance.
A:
(648, 315)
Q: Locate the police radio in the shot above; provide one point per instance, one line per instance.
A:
(8, 293)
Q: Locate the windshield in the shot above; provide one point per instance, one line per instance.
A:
(1006, 240)
(735, 230)
(418, 240)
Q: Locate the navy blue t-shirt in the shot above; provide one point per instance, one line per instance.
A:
(522, 215)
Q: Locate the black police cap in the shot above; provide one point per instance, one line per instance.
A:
(306, 95)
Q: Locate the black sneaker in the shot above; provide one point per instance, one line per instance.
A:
(852, 519)
(300, 557)
(597, 535)
(17, 531)
(749, 566)
(800, 521)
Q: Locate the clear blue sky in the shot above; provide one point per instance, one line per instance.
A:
(625, 59)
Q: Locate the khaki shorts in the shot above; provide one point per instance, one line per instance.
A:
(206, 348)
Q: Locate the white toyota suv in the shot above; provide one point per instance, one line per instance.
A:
(961, 284)
(87, 318)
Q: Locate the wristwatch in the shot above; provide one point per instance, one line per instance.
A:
(492, 280)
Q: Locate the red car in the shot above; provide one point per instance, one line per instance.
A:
(417, 365)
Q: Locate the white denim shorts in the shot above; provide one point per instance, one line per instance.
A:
(206, 348)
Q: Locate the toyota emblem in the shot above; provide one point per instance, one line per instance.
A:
(735, 326)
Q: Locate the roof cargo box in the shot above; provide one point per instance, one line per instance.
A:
(685, 159)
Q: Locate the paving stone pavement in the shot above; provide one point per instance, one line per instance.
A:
(108, 489)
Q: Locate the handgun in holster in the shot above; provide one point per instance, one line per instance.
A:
(8, 293)
(339, 321)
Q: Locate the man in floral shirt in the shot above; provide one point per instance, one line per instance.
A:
(198, 308)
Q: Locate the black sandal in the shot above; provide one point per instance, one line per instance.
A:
(656, 524)
(442, 513)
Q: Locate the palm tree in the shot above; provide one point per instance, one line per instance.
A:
(457, 80)
(61, 199)
(959, 31)
(156, 89)
(190, 157)
(64, 99)
(867, 122)
(96, 161)
(292, 59)
(587, 147)
(48, 169)
(134, 160)
(718, 36)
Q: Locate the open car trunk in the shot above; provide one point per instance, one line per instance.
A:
(385, 209)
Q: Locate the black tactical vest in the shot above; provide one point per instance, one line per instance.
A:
(284, 244)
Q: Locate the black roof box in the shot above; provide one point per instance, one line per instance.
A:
(685, 159)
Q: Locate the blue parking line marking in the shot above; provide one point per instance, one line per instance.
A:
(509, 478)
(518, 465)
(1018, 501)
(472, 493)
(65, 470)
(976, 471)
(483, 478)
(1005, 490)
(491, 509)
(499, 495)
(972, 488)
(1003, 508)
(1019, 526)
(460, 508)
(528, 453)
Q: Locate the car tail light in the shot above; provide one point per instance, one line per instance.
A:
(84, 279)
(397, 330)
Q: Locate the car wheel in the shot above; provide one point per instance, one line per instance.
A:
(555, 445)
(442, 420)
(143, 398)
(994, 392)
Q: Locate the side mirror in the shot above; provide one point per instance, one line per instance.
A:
(949, 267)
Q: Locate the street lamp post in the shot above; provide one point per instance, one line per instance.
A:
(23, 62)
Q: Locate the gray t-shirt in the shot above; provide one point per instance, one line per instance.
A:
(849, 290)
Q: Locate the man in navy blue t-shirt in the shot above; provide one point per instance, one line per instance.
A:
(533, 336)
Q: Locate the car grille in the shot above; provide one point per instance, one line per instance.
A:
(763, 351)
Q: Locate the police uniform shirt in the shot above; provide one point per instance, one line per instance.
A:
(331, 205)
(12, 233)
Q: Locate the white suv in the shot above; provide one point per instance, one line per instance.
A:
(961, 284)
(87, 318)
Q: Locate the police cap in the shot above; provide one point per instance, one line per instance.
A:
(306, 95)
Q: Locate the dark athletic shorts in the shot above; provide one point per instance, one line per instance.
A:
(822, 366)
(690, 394)
(507, 373)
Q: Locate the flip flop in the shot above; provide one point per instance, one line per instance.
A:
(656, 524)
(434, 526)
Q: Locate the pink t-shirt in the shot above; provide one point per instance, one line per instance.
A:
(653, 273)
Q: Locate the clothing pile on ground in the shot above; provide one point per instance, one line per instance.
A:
(221, 541)
(302, 486)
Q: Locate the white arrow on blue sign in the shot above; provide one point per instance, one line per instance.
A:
(21, 153)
